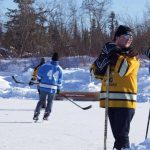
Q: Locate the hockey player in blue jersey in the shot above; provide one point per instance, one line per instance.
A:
(50, 79)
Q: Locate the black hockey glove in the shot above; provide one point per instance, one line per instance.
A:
(130, 52)
(107, 57)
(113, 58)
(31, 83)
(110, 48)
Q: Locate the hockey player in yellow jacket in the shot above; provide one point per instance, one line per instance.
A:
(35, 71)
(122, 84)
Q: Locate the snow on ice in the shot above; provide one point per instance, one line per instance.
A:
(69, 127)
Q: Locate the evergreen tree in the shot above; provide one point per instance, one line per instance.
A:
(113, 24)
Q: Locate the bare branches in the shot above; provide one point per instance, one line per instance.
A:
(61, 25)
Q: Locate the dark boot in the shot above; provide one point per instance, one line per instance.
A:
(46, 115)
(121, 149)
(36, 115)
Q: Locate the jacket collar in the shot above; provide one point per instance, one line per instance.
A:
(55, 63)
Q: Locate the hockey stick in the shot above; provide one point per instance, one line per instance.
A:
(71, 100)
(106, 108)
(16, 81)
(20, 82)
(147, 125)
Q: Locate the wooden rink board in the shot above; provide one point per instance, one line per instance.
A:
(80, 96)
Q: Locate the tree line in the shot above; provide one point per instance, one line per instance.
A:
(39, 29)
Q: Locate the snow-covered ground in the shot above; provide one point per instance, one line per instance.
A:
(69, 127)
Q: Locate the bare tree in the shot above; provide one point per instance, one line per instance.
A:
(96, 9)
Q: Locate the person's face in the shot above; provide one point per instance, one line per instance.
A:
(124, 41)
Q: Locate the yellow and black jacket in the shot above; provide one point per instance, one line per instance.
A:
(34, 74)
(123, 84)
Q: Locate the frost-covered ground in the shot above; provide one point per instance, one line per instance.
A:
(69, 127)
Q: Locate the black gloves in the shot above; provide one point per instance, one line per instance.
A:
(113, 52)
(58, 91)
(31, 83)
(130, 52)
(109, 56)
(114, 55)
(113, 59)
(110, 48)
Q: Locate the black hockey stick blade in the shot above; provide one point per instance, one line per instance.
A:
(88, 107)
(84, 108)
(13, 77)
(72, 101)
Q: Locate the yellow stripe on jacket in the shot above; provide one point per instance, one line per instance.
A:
(123, 84)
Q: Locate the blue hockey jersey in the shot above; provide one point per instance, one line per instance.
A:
(50, 77)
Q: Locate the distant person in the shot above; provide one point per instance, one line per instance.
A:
(149, 68)
(50, 79)
(147, 52)
(122, 83)
(34, 76)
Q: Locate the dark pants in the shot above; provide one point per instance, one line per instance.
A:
(43, 97)
(120, 119)
(44, 104)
